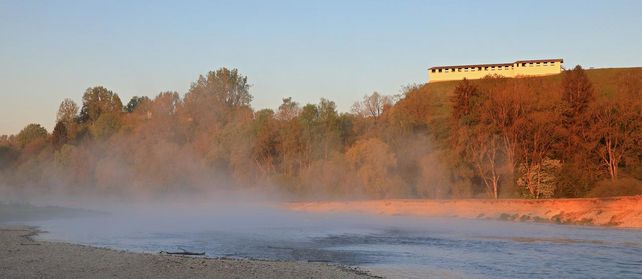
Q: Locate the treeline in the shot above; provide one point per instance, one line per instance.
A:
(495, 137)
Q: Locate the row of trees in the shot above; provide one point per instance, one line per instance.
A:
(496, 137)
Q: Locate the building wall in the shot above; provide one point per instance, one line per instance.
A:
(538, 69)
(507, 70)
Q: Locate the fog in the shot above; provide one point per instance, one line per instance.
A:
(392, 246)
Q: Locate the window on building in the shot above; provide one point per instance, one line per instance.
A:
(523, 64)
(440, 70)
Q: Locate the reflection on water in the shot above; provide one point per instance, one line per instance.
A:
(395, 247)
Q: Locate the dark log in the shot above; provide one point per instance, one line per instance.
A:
(184, 252)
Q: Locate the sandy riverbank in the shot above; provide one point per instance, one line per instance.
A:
(22, 257)
(624, 212)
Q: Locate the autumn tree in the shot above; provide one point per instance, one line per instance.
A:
(67, 112)
(294, 145)
(31, 133)
(135, 102)
(226, 86)
(372, 105)
(97, 101)
(463, 99)
(535, 151)
(265, 150)
(288, 109)
(411, 114)
(474, 137)
(328, 120)
(212, 102)
(578, 168)
(374, 164)
(166, 103)
(483, 150)
(59, 135)
(68, 115)
(613, 135)
(577, 95)
(500, 112)
(106, 125)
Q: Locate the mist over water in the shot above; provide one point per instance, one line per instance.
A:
(207, 170)
(395, 247)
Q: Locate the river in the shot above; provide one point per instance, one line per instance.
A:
(392, 247)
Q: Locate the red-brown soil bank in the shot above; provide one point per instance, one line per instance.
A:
(624, 212)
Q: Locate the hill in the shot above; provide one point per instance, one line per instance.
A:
(604, 80)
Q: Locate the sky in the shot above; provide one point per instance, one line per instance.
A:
(307, 50)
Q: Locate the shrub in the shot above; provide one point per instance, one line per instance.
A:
(620, 187)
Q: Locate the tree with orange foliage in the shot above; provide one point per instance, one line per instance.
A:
(577, 95)
(614, 128)
(475, 136)
(463, 99)
(374, 164)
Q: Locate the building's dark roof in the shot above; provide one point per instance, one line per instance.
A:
(470, 66)
(497, 64)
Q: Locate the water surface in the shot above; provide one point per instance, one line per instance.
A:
(394, 247)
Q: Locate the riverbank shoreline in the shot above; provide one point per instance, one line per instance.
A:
(21, 256)
(619, 212)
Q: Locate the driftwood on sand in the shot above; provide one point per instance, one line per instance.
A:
(184, 252)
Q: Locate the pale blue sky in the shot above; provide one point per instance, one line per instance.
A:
(340, 50)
